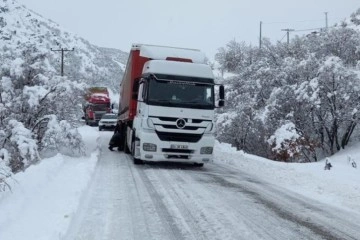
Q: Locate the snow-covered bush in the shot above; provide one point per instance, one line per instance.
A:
(21, 145)
(284, 142)
(288, 145)
(60, 136)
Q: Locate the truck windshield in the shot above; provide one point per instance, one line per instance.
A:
(100, 107)
(187, 94)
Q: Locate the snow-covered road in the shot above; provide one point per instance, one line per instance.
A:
(176, 201)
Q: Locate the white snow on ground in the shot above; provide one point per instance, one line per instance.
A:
(46, 197)
(338, 187)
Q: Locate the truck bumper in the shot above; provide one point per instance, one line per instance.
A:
(172, 151)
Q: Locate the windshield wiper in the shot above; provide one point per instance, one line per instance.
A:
(162, 102)
(198, 102)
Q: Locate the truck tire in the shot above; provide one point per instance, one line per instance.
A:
(121, 145)
(126, 148)
(137, 161)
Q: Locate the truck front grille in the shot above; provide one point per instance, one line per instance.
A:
(98, 116)
(173, 119)
(178, 137)
(172, 150)
(185, 128)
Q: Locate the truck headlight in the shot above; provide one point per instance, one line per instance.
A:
(150, 123)
(206, 150)
(149, 147)
(209, 127)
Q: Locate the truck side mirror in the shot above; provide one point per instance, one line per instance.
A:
(222, 92)
(221, 103)
(221, 96)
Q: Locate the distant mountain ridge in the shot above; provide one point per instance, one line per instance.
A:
(21, 28)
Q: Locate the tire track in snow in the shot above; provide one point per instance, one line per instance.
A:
(162, 210)
(206, 209)
(292, 207)
(222, 212)
(170, 185)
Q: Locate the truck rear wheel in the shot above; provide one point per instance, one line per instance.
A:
(121, 145)
(126, 148)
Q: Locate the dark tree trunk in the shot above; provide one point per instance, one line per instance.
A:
(350, 129)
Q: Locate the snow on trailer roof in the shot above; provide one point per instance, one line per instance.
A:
(162, 52)
(178, 68)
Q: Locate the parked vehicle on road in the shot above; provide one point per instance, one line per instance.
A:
(167, 103)
(108, 121)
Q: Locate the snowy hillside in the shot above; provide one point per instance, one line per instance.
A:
(39, 108)
(21, 28)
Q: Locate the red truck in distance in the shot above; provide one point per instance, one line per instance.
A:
(97, 103)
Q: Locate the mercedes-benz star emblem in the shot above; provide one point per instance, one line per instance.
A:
(180, 123)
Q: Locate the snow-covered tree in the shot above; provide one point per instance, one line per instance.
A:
(313, 83)
(5, 170)
(35, 106)
(339, 93)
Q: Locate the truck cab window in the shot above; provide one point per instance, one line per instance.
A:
(143, 89)
(181, 94)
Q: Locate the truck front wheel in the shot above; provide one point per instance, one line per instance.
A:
(133, 147)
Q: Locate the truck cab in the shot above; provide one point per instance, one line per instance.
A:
(173, 116)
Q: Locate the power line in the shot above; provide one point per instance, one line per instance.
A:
(311, 29)
(292, 22)
(302, 21)
(305, 30)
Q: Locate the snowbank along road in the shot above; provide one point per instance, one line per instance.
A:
(177, 201)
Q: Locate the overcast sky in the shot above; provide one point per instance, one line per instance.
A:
(203, 24)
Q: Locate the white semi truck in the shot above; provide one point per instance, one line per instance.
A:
(167, 103)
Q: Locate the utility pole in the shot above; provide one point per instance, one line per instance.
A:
(62, 50)
(288, 30)
(260, 40)
(326, 20)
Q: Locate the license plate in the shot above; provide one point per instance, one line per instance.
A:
(175, 146)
